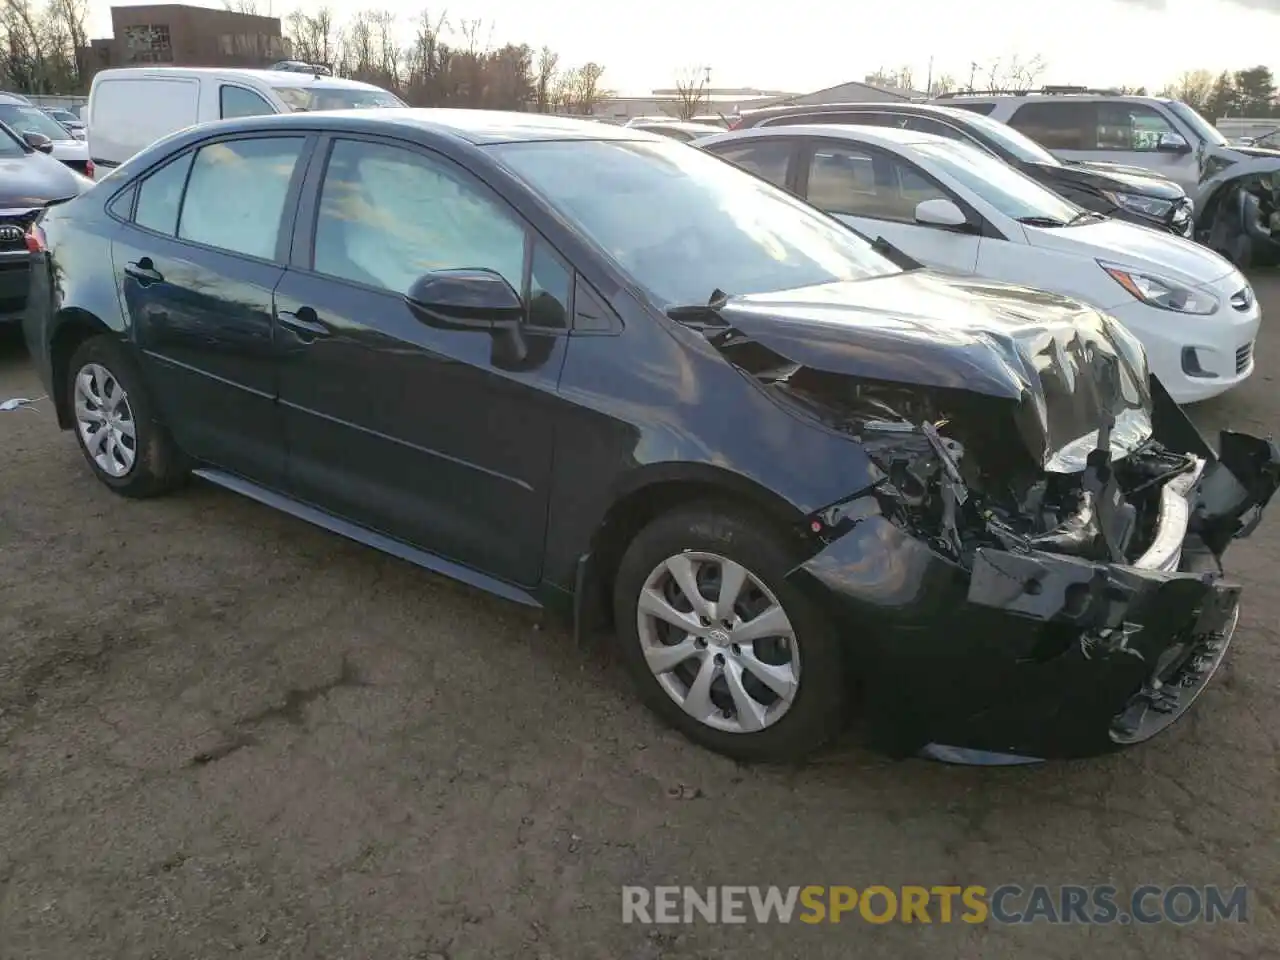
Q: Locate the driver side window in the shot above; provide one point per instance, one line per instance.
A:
(861, 183)
(388, 215)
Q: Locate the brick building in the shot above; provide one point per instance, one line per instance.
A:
(185, 36)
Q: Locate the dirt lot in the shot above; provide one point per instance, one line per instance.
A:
(225, 732)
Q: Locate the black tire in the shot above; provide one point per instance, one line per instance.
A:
(158, 466)
(817, 711)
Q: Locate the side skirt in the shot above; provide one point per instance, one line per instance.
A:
(370, 538)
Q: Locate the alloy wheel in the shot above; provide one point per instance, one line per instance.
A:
(105, 420)
(718, 642)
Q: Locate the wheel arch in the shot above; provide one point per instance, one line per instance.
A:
(648, 493)
(73, 326)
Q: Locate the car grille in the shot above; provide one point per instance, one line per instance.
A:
(1244, 357)
(21, 219)
(1242, 299)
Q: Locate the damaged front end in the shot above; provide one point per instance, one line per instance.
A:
(1238, 211)
(1038, 572)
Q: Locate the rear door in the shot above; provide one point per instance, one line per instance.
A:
(771, 158)
(196, 266)
(128, 114)
(877, 192)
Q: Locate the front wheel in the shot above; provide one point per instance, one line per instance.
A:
(720, 645)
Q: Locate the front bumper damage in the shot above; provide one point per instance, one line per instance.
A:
(1028, 654)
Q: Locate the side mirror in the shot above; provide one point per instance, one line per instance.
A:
(1172, 143)
(470, 299)
(941, 212)
(37, 141)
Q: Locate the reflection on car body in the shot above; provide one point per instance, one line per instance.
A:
(631, 382)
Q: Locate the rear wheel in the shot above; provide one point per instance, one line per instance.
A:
(114, 422)
(719, 644)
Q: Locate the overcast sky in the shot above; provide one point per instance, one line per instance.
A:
(802, 45)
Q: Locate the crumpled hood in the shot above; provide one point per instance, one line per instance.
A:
(1068, 366)
(1131, 245)
(1114, 176)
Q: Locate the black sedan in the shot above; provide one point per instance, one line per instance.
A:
(30, 180)
(588, 368)
(1126, 193)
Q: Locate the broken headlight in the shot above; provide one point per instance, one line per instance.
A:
(1161, 292)
(1150, 206)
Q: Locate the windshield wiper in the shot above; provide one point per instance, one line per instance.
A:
(1042, 221)
(1082, 216)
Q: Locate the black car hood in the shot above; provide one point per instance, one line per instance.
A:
(35, 179)
(1068, 367)
(1106, 177)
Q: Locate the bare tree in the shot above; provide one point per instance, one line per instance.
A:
(545, 79)
(1194, 88)
(942, 84)
(693, 92)
(1022, 74)
(312, 36)
(587, 91)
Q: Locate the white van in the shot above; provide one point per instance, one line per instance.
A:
(131, 108)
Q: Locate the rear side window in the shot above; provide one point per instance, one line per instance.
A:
(236, 194)
(1058, 124)
(160, 196)
(239, 102)
(929, 125)
(767, 159)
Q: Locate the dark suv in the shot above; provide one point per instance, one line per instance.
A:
(1138, 196)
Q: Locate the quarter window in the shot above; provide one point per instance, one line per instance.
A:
(860, 183)
(1058, 124)
(160, 196)
(550, 286)
(236, 195)
(239, 102)
(388, 215)
(767, 159)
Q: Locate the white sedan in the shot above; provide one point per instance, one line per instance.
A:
(957, 209)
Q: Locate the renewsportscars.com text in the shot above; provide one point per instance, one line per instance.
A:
(1004, 904)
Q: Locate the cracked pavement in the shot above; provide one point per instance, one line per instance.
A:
(223, 731)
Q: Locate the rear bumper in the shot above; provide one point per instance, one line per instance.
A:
(1032, 655)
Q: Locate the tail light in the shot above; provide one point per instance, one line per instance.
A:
(736, 123)
(88, 169)
(35, 239)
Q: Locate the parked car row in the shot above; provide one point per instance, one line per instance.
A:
(956, 207)
(590, 369)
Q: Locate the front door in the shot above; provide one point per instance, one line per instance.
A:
(877, 193)
(440, 437)
(196, 267)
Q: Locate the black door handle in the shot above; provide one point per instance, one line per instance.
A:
(304, 323)
(144, 271)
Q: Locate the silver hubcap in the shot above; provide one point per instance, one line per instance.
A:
(718, 642)
(105, 420)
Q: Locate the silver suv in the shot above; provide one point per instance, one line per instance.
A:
(1076, 123)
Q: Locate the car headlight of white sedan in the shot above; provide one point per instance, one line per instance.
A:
(1161, 292)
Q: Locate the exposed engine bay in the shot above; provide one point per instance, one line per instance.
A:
(1238, 211)
(937, 489)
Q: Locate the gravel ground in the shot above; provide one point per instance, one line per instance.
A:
(225, 732)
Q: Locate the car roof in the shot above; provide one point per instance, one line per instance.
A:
(478, 127)
(272, 78)
(671, 124)
(889, 137)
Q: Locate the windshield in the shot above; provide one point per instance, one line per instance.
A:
(685, 224)
(1012, 193)
(1202, 127)
(22, 118)
(320, 97)
(10, 144)
(1018, 144)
